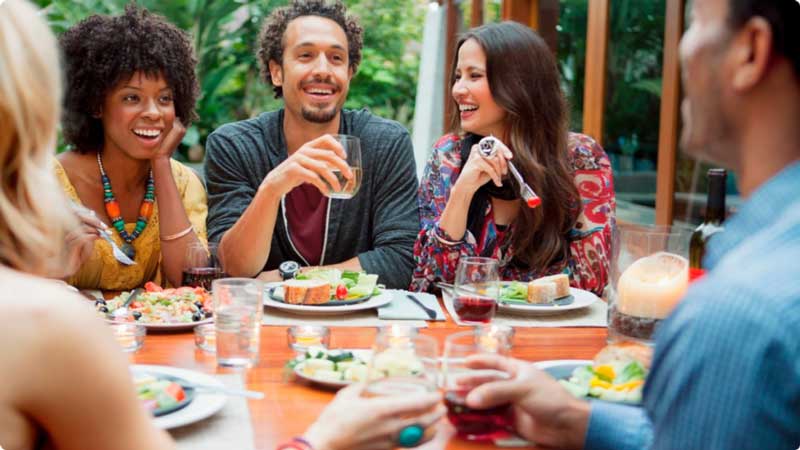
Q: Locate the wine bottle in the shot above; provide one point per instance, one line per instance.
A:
(715, 216)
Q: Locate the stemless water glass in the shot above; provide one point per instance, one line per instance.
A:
(477, 287)
(201, 266)
(402, 365)
(458, 379)
(349, 188)
(237, 320)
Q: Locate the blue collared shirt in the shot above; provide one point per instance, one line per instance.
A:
(726, 371)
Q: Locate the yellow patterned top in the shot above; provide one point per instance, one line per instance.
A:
(102, 271)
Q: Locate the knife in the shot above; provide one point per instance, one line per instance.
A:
(431, 313)
(222, 390)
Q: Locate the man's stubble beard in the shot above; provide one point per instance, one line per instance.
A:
(321, 115)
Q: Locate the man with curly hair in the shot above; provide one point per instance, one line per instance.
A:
(268, 176)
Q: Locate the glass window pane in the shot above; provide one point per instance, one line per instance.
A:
(633, 101)
(572, 55)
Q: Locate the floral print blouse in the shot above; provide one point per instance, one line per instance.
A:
(436, 255)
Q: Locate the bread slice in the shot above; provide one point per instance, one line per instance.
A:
(625, 352)
(541, 292)
(561, 281)
(306, 292)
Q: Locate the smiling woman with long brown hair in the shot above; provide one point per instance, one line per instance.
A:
(505, 83)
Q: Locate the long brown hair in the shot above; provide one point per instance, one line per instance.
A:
(523, 79)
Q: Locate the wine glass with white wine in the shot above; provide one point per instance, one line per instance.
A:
(352, 148)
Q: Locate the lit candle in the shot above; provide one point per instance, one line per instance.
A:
(302, 337)
(653, 285)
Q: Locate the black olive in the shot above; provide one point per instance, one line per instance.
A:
(197, 316)
(199, 305)
(209, 313)
(102, 309)
(100, 303)
(137, 315)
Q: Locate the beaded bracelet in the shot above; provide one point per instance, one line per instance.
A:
(177, 235)
(296, 443)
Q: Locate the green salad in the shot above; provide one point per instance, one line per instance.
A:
(345, 285)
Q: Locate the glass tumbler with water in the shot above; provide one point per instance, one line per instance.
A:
(237, 318)
(349, 188)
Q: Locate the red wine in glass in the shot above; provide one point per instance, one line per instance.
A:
(473, 308)
(201, 276)
(476, 424)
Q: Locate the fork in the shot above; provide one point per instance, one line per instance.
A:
(488, 148)
(119, 255)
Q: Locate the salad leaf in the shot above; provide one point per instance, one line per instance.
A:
(633, 371)
(515, 291)
(351, 275)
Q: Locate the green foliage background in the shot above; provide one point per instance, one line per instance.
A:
(225, 36)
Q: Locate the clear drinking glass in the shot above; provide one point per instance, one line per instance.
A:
(477, 287)
(649, 275)
(352, 147)
(201, 266)
(237, 320)
(402, 365)
(458, 379)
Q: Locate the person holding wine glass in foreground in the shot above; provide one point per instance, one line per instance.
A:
(125, 114)
(505, 85)
(727, 360)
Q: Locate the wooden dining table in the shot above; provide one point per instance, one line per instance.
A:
(290, 406)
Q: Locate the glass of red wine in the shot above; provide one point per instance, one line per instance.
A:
(201, 266)
(477, 287)
(459, 378)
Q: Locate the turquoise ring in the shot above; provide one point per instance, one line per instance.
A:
(410, 436)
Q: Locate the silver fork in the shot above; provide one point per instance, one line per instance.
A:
(119, 255)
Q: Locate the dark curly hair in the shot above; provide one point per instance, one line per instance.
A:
(271, 38)
(102, 51)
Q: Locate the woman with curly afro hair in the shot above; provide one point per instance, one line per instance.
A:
(131, 91)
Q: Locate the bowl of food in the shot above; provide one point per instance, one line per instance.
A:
(617, 374)
(331, 368)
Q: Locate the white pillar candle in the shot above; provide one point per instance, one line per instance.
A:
(653, 285)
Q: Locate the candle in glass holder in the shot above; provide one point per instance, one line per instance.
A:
(491, 337)
(130, 336)
(301, 337)
(653, 285)
(398, 334)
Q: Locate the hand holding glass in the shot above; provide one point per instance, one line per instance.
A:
(349, 188)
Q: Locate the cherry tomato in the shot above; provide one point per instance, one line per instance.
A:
(341, 292)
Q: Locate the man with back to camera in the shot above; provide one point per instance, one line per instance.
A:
(268, 176)
(726, 371)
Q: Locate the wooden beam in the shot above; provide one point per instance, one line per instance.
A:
(476, 16)
(520, 10)
(452, 12)
(547, 22)
(670, 113)
(594, 93)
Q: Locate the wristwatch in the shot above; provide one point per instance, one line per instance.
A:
(288, 269)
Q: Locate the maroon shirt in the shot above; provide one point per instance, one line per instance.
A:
(306, 209)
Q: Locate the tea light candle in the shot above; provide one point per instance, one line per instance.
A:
(129, 335)
(491, 337)
(302, 337)
(653, 285)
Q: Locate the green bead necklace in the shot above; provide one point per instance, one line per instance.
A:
(115, 213)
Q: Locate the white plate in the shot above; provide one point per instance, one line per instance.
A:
(360, 353)
(180, 326)
(583, 299)
(375, 301)
(204, 405)
(562, 368)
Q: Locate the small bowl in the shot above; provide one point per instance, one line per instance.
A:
(130, 336)
(302, 337)
(205, 337)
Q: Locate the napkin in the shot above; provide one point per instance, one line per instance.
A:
(403, 308)
(231, 427)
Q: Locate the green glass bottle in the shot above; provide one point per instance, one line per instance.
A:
(715, 216)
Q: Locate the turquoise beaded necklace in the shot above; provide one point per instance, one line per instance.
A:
(115, 213)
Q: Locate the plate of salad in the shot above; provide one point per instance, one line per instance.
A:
(514, 298)
(158, 308)
(331, 368)
(327, 292)
(619, 383)
(195, 406)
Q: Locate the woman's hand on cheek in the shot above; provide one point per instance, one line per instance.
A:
(171, 141)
